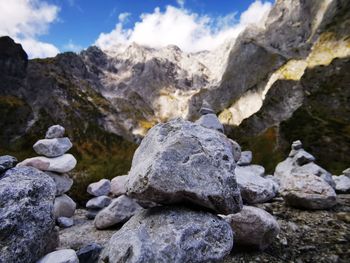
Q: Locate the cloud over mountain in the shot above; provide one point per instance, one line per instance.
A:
(179, 26)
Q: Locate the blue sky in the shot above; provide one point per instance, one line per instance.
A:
(46, 27)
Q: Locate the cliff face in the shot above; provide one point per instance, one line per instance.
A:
(264, 81)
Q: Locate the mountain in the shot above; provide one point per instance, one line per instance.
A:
(286, 80)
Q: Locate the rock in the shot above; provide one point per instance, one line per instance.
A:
(119, 211)
(342, 184)
(61, 164)
(91, 213)
(210, 121)
(118, 185)
(65, 222)
(254, 188)
(255, 169)
(60, 256)
(63, 182)
(302, 157)
(206, 108)
(246, 158)
(236, 150)
(182, 162)
(7, 162)
(27, 226)
(64, 206)
(307, 191)
(297, 145)
(55, 131)
(52, 147)
(99, 188)
(170, 234)
(301, 162)
(89, 253)
(346, 172)
(98, 202)
(253, 227)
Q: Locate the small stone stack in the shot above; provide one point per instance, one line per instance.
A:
(342, 182)
(303, 183)
(56, 163)
(100, 191)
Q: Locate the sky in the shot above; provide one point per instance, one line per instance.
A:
(47, 27)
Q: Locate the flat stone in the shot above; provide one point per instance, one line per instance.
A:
(89, 253)
(27, 226)
(210, 121)
(60, 256)
(182, 162)
(342, 184)
(307, 191)
(55, 131)
(302, 157)
(52, 147)
(246, 158)
(7, 162)
(64, 206)
(118, 185)
(120, 210)
(99, 188)
(65, 222)
(170, 234)
(254, 188)
(253, 227)
(98, 202)
(63, 182)
(61, 164)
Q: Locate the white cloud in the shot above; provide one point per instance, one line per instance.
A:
(25, 20)
(188, 30)
(181, 3)
(71, 46)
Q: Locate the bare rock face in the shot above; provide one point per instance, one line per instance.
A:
(27, 225)
(179, 162)
(307, 191)
(253, 227)
(170, 234)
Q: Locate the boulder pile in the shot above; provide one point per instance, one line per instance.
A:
(56, 163)
(303, 183)
(185, 172)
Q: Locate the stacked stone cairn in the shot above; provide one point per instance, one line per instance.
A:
(56, 162)
(342, 182)
(303, 183)
(180, 201)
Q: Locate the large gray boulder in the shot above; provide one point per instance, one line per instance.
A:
(254, 188)
(307, 191)
(342, 184)
(253, 227)
(63, 182)
(55, 131)
(182, 162)
(7, 162)
(170, 234)
(52, 147)
(118, 211)
(301, 162)
(61, 164)
(27, 225)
